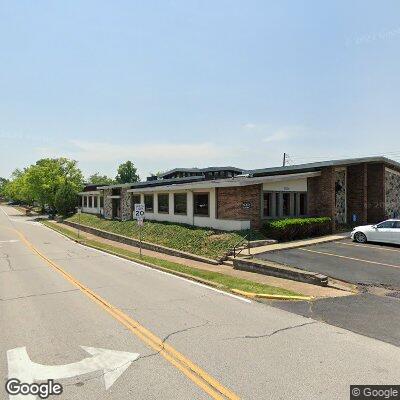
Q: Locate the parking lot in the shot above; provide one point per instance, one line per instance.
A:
(374, 264)
(372, 314)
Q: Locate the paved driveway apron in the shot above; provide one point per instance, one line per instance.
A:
(374, 312)
(356, 263)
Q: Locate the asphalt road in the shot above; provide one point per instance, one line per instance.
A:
(368, 264)
(56, 296)
(369, 314)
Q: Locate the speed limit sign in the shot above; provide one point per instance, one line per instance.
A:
(139, 213)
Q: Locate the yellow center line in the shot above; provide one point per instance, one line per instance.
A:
(197, 375)
(351, 258)
(369, 247)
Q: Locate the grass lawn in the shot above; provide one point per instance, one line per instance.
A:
(205, 242)
(223, 281)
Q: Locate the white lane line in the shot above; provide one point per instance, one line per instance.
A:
(352, 258)
(2, 209)
(377, 247)
(9, 241)
(152, 269)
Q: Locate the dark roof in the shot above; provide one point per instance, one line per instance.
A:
(200, 170)
(317, 166)
(88, 187)
(291, 169)
(157, 182)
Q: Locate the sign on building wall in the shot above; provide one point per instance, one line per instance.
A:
(246, 205)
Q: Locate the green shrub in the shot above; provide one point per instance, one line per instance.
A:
(297, 228)
(66, 200)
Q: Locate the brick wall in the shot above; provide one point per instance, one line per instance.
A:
(230, 201)
(357, 193)
(321, 194)
(376, 193)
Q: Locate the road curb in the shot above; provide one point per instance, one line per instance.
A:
(271, 296)
(187, 276)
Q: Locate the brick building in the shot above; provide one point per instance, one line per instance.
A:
(349, 191)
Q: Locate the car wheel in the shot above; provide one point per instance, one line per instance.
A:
(360, 237)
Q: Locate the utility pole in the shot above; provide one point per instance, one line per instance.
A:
(284, 160)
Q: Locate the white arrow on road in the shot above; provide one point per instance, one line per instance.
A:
(112, 363)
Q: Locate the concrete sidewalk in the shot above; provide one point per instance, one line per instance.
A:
(299, 287)
(299, 243)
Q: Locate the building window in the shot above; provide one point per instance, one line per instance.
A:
(135, 200)
(303, 204)
(101, 201)
(201, 204)
(84, 201)
(286, 204)
(180, 203)
(90, 205)
(163, 203)
(267, 204)
(95, 201)
(149, 203)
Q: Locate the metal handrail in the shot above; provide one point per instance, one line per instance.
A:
(244, 239)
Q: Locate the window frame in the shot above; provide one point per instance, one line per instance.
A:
(166, 195)
(277, 202)
(186, 203)
(208, 204)
(133, 202)
(152, 203)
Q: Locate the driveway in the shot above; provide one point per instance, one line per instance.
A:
(356, 263)
(374, 312)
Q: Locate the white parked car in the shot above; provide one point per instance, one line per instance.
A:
(385, 232)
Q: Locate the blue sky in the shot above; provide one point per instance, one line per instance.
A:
(197, 83)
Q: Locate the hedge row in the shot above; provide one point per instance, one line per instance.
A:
(297, 228)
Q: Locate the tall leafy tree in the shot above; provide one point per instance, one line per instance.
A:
(127, 173)
(46, 176)
(3, 183)
(98, 179)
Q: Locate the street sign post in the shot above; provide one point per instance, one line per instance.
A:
(139, 215)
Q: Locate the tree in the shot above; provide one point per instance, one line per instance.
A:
(65, 199)
(98, 179)
(157, 174)
(17, 188)
(44, 178)
(41, 181)
(3, 183)
(127, 173)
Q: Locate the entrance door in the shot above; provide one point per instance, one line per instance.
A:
(116, 208)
